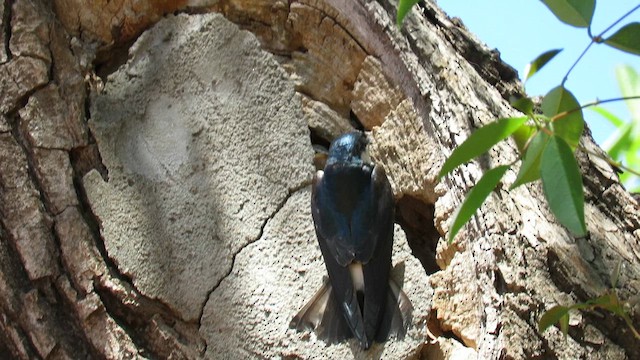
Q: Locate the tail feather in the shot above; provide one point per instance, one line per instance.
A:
(400, 306)
(322, 315)
(334, 328)
(310, 316)
(397, 315)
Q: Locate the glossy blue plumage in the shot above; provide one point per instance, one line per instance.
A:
(353, 210)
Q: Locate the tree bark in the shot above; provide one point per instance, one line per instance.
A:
(154, 174)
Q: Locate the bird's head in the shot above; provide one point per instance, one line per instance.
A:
(349, 148)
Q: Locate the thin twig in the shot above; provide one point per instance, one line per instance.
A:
(611, 162)
(599, 37)
(593, 103)
(564, 79)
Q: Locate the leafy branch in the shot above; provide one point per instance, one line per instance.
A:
(547, 142)
(624, 143)
(613, 163)
(618, 40)
(559, 314)
(609, 301)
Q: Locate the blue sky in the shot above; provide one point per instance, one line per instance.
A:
(523, 29)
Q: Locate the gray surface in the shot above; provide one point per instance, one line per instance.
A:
(208, 159)
(274, 277)
(203, 138)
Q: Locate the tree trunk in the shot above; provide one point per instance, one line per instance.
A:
(155, 172)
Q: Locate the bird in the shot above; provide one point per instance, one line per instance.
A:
(353, 212)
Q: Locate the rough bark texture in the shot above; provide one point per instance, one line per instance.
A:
(154, 174)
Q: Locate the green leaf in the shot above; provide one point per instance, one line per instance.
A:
(562, 185)
(619, 142)
(581, 306)
(404, 6)
(609, 302)
(530, 167)
(521, 136)
(564, 324)
(523, 104)
(627, 38)
(603, 301)
(552, 316)
(612, 118)
(480, 141)
(475, 198)
(569, 126)
(537, 64)
(577, 13)
(629, 83)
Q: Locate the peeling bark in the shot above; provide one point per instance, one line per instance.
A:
(67, 290)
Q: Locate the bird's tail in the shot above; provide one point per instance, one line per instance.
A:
(397, 316)
(322, 315)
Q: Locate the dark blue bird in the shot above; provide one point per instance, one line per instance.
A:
(353, 210)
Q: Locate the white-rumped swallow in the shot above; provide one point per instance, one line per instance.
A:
(353, 211)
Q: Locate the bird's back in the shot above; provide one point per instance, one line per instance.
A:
(347, 187)
(347, 194)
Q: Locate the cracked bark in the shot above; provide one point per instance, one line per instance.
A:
(62, 296)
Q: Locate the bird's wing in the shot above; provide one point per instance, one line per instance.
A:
(339, 275)
(372, 220)
(331, 225)
(336, 312)
(376, 270)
